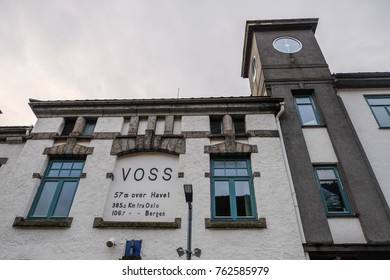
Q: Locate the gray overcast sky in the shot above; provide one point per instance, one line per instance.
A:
(100, 49)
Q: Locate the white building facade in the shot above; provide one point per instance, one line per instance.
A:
(97, 170)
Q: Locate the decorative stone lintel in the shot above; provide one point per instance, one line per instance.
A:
(32, 223)
(100, 223)
(229, 147)
(263, 133)
(152, 143)
(70, 148)
(234, 224)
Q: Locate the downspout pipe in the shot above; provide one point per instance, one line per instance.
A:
(288, 171)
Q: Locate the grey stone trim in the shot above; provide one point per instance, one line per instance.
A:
(45, 136)
(15, 140)
(195, 134)
(148, 143)
(234, 224)
(133, 127)
(105, 135)
(151, 126)
(100, 223)
(78, 126)
(169, 123)
(263, 133)
(229, 147)
(70, 148)
(26, 223)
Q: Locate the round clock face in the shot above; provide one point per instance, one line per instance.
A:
(287, 45)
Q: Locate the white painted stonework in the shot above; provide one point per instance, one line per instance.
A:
(346, 230)
(319, 145)
(144, 189)
(375, 141)
(94, 197)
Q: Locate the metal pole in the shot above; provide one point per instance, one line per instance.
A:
(189, 235)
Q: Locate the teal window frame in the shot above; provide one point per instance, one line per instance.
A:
(89, 127)
(382, 103)
(308, 103)
(56, 192)
(327, 196)
(242, 174)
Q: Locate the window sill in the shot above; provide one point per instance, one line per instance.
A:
(32, 223)
(235, 224)
(99, 223)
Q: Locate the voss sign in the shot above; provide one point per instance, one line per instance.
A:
(144, 189)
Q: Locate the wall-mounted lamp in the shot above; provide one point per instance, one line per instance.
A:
(188, 192)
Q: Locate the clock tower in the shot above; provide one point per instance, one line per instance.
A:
(339, 198)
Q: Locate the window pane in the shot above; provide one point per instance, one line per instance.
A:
(219, 172)
(222, 198)
(382, 115)
(219, 164)
(379, 101)
(239, 125)
(56, 165)
(303, 100)
(307, 115)
(333, 199)
(216, 126)
(243, 199)
(75, 173)
(45, 199)
(53, 173)
(64, 173)
(326, 174)
(67, 165)
(242, 172)
(241, 164)
(231, 172)
(78, 165)
(65, 199)
(230, 164)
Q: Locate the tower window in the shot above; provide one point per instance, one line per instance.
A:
(306, 109)
(380, 107)
(332, 191)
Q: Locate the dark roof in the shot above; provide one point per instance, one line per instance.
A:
(362, 80)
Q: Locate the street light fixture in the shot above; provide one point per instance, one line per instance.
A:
(180, 251)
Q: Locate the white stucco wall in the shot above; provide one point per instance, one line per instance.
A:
(109, 124)
(260, 122)
(280, 240)
(319, 145)
(346, 230)
(195, 123)
(375, 141)
(49, 125)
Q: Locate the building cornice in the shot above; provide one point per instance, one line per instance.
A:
(362, 80)
(131, 107)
